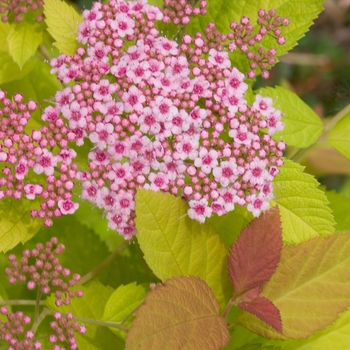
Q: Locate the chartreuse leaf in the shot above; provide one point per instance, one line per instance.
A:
(230, 225)
(183, 313)
(175, 245)
(10, 71)
(301, 14)
(335, 336)
(16, 224)
(23, 39)
(303, 207)
(259, 347)
(4, 29)
(91, 306)
(339, 137)
(62, 21)
(340, 206)
(122, 303)
(302, 126)
(310, 287)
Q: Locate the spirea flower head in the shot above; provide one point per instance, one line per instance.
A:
(163, 115)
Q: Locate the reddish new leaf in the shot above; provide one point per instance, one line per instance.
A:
(256, 253)
(265, 310)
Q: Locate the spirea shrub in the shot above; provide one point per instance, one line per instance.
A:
(137, 122)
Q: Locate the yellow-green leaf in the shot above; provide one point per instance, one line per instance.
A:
(175, 245)
(181, 314)
(4, 29)
(23, 39)
(310, 287)
(302, 126)
(121, 303)
(62, 21)
(10, 71)
(339, 137)
(16, 224)
(303, 207)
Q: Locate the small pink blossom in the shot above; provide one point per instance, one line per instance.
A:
(257, 205)
(102, 135)
(219, 58)
(158, 181)
(264, 105)
(32, 190)
(123, 25)
(21, 169)
(206, 160)
(199, 210)
(45, 163)
(226, 173)
(67, 206)
(66, 155)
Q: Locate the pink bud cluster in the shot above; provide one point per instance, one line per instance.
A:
(179, 12)
(165, 116)
(41, 152)
(18, 9)
(64, 328)
(14, 328)
(242, 37)
(45, 272)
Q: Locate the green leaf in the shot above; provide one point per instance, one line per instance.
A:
(91, 306)
(339, 137)
(181, 314)
(175, 245)
(121, 303)
(259, 347)
(301, 14)
(229, 226)
(302, 126)
(23, 40)
(336, 336)
(4, 29)
(10, 71)
(303, 207)
(16, 224)
(62, 21)
(310, 287)
(340, 206)
(39, 85)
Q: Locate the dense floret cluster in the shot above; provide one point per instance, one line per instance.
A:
(40, 268)
(17, 9)
(157, 114)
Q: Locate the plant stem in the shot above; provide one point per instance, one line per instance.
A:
(19, 302)
(45, 52)
(37, 305)
(96, 271)
(101, 323)
(41, 317)
(228, 306)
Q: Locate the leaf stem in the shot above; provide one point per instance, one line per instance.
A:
(37, 305)
(97, 270)
(19, 302)
(101, 323)
(41, 317)
(231, 302)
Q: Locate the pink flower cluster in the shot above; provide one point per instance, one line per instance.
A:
(46, 273)
(16, 9)
(43, 151)
(165, 116)
(14, 327)
(157, 114)
(64, 328)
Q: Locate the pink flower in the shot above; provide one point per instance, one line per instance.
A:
(123, 25)
(257, 205)
(133, 99)
(226, 173)
(21, 169)
(158, 181)
(274, 123)
(116, 220)
(263, 105)
(166, 47)
(229, 195)
(138, 71)
(66, 155)
(45, 163)
(103, 135)
(32, 190)
(179, 123)
(67, 206)
(206, 160)
(99, 157)
(242, 135)
(90, 190)
(50, 114)
(234, 82)
(103, 90)
(199, 210)
(120, 173)
(105, 199)
(256, 174)
(75, 115)
(125, 203)
(164, 109)
(148, 122)
(219, 58)
(187, 147)
(178, 67)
